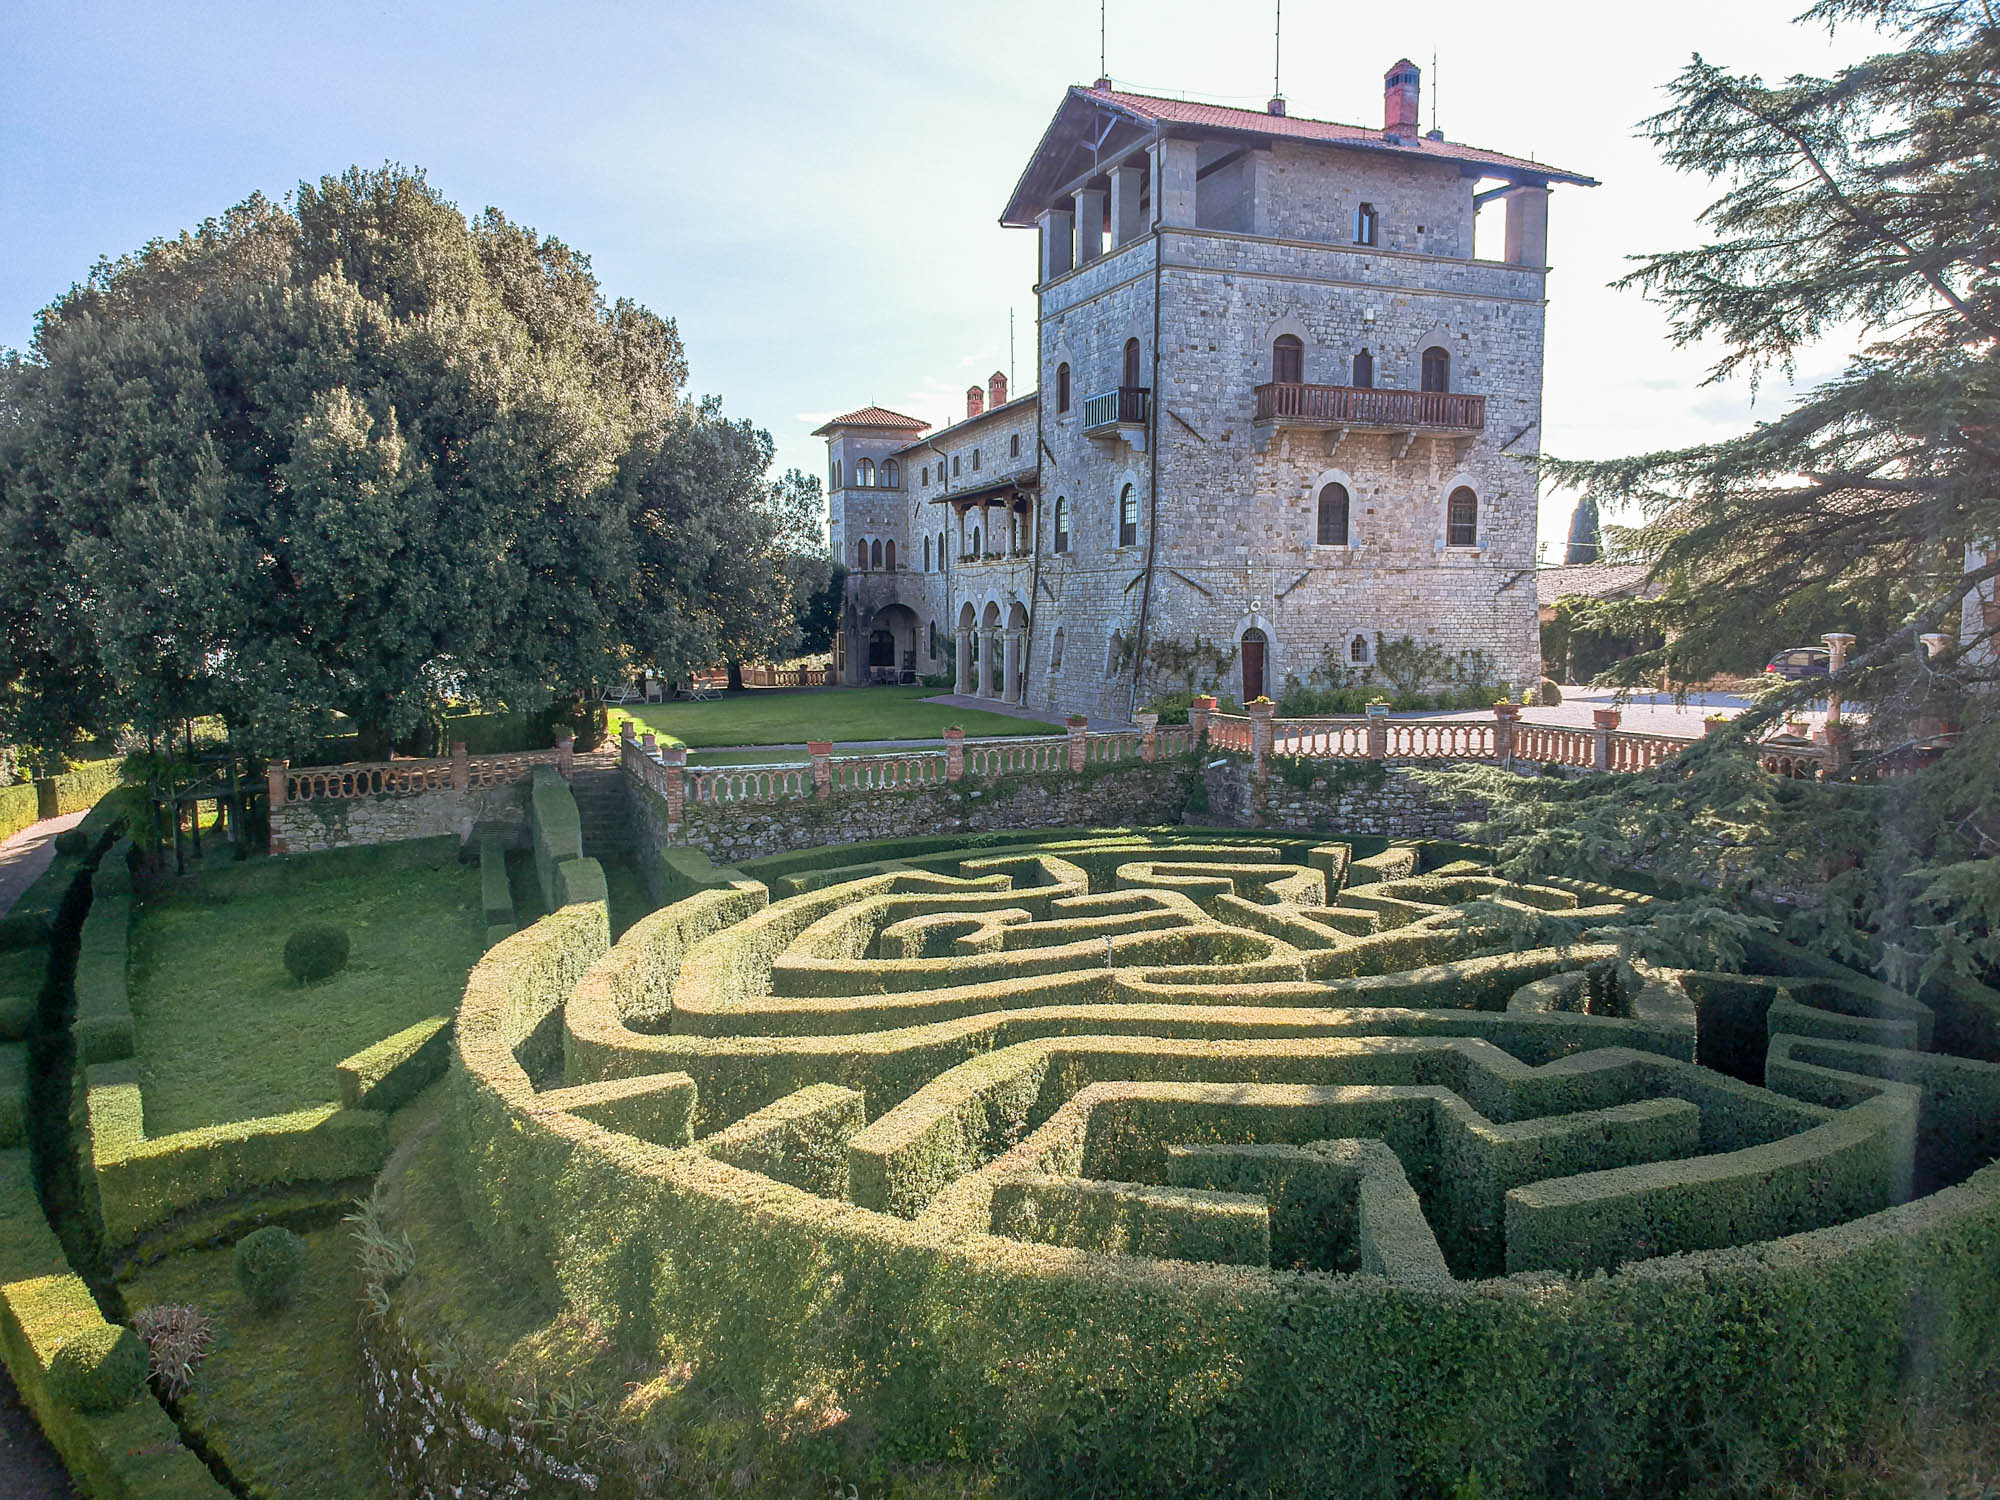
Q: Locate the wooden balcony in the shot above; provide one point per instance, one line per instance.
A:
(1109, 413)
(1366, 409)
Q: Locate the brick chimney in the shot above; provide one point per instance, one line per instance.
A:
(975, 401)
(996, 389)
(1400, 86)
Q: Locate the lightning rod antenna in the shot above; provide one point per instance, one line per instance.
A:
(1102, 71)
(1277, 45)
(1010, 351)
(1434, 89)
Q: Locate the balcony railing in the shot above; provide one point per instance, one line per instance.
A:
(1110, 410)
(1288, 405)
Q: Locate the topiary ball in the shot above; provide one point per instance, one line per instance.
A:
(1548, 695)
(72, 842)
(270, 1263)
(99, 1369)
(316, 951)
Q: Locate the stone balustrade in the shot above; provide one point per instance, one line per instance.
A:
(457, 772)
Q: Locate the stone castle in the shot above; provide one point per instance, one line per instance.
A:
(1282, 414)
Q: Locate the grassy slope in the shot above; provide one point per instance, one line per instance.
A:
(838, 714)
(223, 1032)
(279, 1396)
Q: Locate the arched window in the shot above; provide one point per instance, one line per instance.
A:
(940, 552)
(861, 555)
(927, 476)
(1364, 224)
(836, 473)
(1014, 446)
(1333, 515)
(864, 474)
(875, 555)
(1131, 362)
(1288, 360)
(1128, 515)
(1364, 369)
(975, 460)
(927, 559)
(1062, 524)
(1461, 518)
(1357, 651)
(954, 464)
(892, 473)
(1055, 651)
(889, 557)
(1062, 387)
(975, 542)
(1437, 369)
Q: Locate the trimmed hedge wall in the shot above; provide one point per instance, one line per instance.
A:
(18, 808)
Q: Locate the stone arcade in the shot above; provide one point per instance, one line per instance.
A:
(1282, 410)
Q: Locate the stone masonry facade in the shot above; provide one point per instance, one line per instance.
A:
(1250, 327)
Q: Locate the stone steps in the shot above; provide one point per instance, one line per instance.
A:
(602, 809)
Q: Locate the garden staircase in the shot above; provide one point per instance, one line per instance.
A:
(601, 805)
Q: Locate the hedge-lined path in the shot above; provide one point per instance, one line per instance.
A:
(27, 854)
(29, 1468)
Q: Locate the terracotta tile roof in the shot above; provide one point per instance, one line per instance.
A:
(872, 416)
(1598, 580)
(1294, 127)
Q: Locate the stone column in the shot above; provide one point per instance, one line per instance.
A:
(276, 775)
(1378, 731)
(1838, 644)
(1010, 684)
(1089, 225)
(821, 752)
(461, 767)
(1505, 715)
(676, 757)
(1173, 182)
(1839, 749)
(1126, 225)
(1261, 713)
(964, 664)
(1058, 243)
(566, 754)
(1149, 731)
(989, 659)
(1198, 712)
(1606, 720)
(954, 753)
(1076, 724)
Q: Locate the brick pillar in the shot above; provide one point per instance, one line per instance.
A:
(1839, 749)
(1378, 731)
(1261, 713)
(1198, 712)
(626, 732)
(650, 743)
(821, 752)
(1149, 731)
(461, 767)
(566, 754)
(676, 757)
(954, 753)
(1606, 720)
(1505, 716)
(277, 774)
(1076, 724)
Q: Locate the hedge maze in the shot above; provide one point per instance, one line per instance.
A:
(1146, 1163)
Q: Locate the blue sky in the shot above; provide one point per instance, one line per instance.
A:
(812, 190)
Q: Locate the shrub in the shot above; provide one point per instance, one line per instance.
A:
(177, 1337)
(99, 1369)
(316, 951)
(1545, 694)
(270, 1263)
(72, 842)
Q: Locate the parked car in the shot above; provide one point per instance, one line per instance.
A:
(1800, 661)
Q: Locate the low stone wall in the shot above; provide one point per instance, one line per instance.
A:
(390, 817)
(1369, 797)
(1124, 793)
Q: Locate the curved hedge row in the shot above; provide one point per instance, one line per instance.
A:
(1003, 1299)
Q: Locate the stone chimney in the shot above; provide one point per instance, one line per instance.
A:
(996, 389)
(975, 401)
(1276, 106)
(1400, 87)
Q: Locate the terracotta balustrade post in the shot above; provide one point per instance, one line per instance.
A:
(565, 754)
(1378, 731)
(626, 732)
(1505, 717)
(461, 767)
(821, 752)
(1606, 720)
(1261, 715)
(676, 758)
(954, 753)
(1149, 735)
(1076, 724)
(1198, 715)
(650, 743)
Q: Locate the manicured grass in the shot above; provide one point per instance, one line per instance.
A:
(279, 1397)
(768, 717)
(771, 755)
(223, 1032)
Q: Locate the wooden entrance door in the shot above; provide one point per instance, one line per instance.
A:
(1253, 664)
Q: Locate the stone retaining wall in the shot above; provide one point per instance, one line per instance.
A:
(1378, 797)
(390, 817)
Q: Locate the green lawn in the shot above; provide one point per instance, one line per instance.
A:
(839, 714)
(224, 1034)
(279, 1396)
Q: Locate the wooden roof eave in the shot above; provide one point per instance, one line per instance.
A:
(1041, 181)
